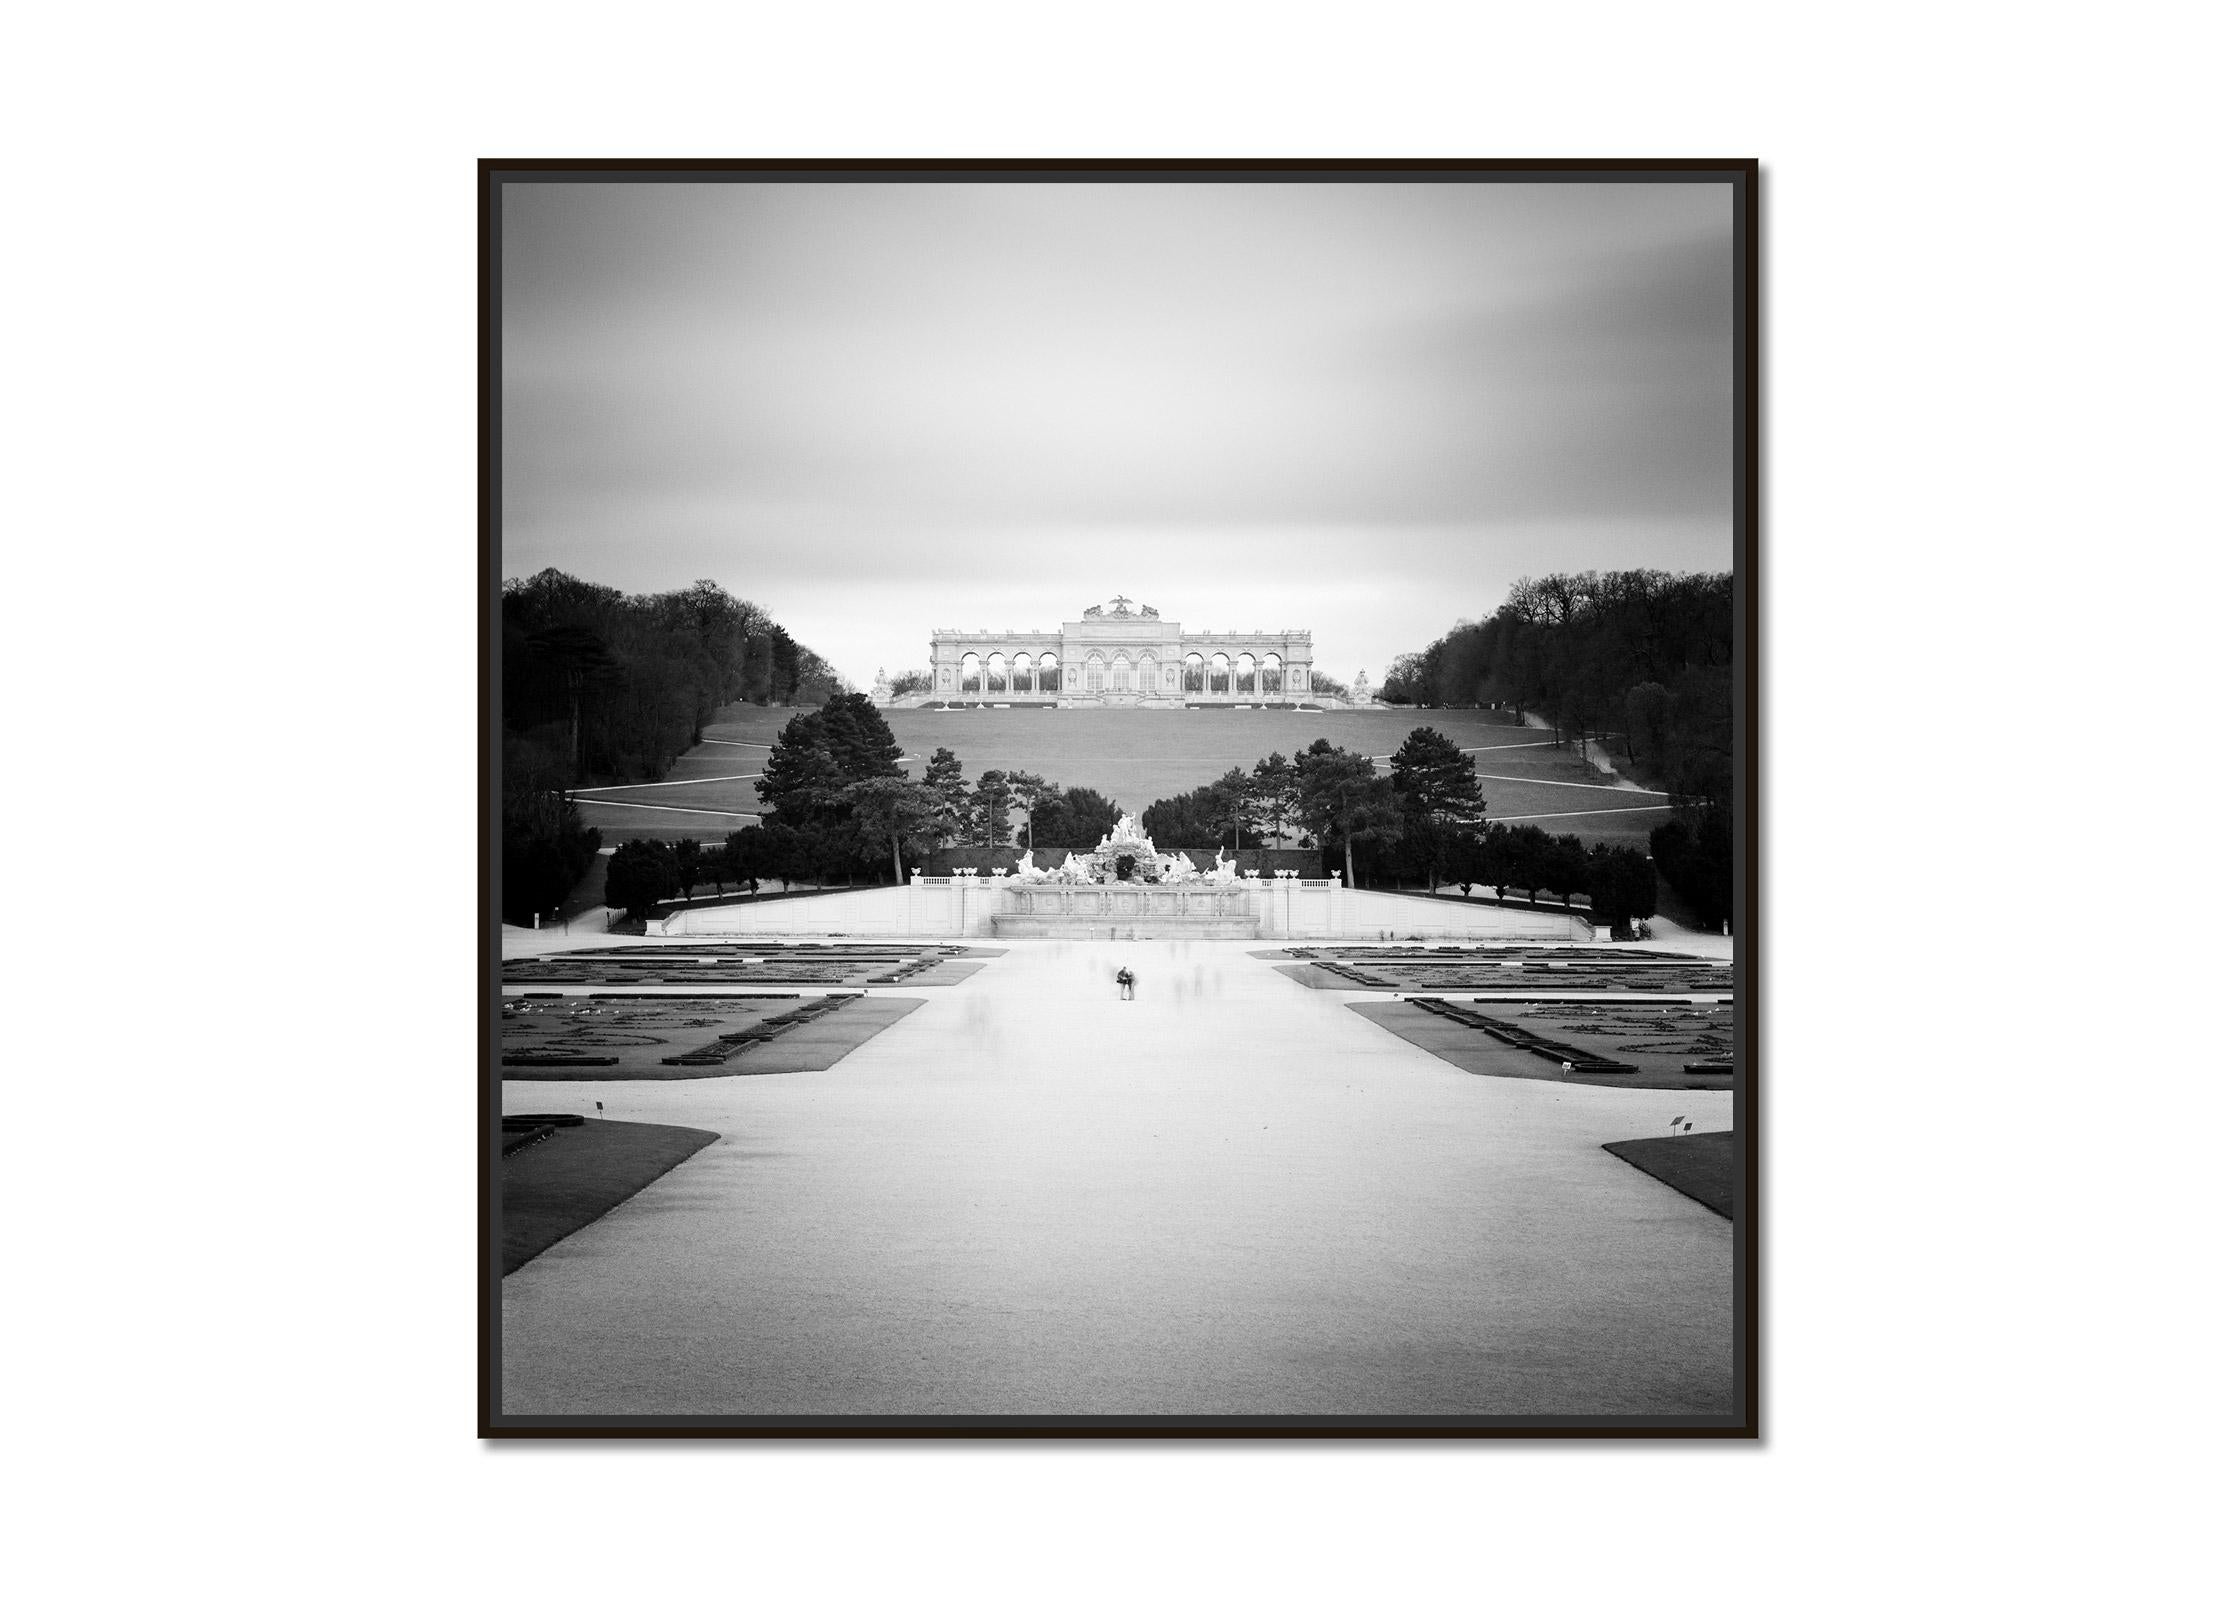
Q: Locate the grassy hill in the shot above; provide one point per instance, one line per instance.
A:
(1136, 757)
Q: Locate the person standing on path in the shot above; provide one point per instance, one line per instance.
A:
(1127, 982)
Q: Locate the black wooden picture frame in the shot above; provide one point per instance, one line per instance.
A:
(1741, 1419)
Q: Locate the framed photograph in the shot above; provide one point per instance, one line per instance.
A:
(1119, 799)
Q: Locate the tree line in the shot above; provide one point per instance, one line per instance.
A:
(831, 791)
(836, 805)
(1695, 851)
(604, 685)
(1423, 822)
(600, 686)
(1643, 658)
(643, 872)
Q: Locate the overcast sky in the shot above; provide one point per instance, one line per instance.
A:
(877, 409)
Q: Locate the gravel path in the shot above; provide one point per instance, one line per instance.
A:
(1229, 1196)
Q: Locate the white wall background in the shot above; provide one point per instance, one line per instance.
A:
(1999, 258)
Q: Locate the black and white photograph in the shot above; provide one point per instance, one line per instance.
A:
(1118, 799)
(1229, 800)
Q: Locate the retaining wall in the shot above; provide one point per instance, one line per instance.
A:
(965, 908)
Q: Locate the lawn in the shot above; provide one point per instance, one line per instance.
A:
(575, 1176)
(1136, 757)
(1699, 1165)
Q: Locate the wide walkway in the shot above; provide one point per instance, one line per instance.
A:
(1232, 1195)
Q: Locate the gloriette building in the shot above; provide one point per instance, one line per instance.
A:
(1123, 654)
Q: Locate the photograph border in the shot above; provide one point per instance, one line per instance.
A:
(1743, 1423)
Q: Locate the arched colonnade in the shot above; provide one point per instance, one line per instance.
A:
(1122, 657)
(1215, 676)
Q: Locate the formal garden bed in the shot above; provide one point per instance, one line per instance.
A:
(1530, 975)
(1685, 1037)
(1520, 1045)
(610, 1037)
(1570, 1057)
(724, 1047)
(1512, 977)
(1559, 954)
(708, 971)
(679, 950)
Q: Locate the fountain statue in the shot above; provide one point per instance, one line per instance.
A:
(1126, 889)
(1127, 855)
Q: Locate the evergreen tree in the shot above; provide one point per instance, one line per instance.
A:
(1436, 784)
(1028, 790)
(1435, 780)
(1342, 799)
(801, 780)
(640, 873)
(1275, 794)
(1234, 800)
(1568, 871)
(991, 809)
(780, 852)
(1534, 856)
(820, 753)
(858, 737)
(691, 868)
(1496, 859)
(785, 666)
(951, 814)
(1623, 885)
(1077, 819)
(744, 858)
(887, 810)
(1193, 821)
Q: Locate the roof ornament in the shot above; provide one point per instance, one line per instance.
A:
(1120, 606)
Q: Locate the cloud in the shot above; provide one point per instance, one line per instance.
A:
(796, 387)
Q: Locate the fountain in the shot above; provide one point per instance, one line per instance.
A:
(1126, 889)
